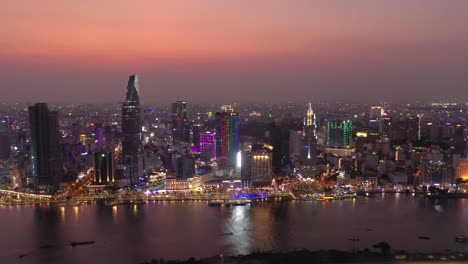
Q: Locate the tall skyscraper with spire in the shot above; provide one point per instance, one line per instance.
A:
(310, 137)
(131, 131)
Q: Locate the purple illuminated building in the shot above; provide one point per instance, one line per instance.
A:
(100, 139)
(208, 145)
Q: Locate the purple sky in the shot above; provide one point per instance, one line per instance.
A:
(224, 51)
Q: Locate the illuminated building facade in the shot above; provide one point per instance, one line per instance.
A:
(435, 172)
(375, 113)
(227, 137)
(462, 169)
(173, 184)
(99, 136)
(310, 137)
(261, 170)
(339, 133)
(45, 160)
(208, 145)
(103, 167)
(131, 130)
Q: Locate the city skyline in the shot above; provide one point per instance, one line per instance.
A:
(205, 131)
(216, 51)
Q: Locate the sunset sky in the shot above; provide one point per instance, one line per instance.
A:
(224, 51)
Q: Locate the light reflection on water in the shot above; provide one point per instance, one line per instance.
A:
(134, 233)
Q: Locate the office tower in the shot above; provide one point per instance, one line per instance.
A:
(99, 137)
(227, 137)
(385, 124)
(459, 141)
(279, 139)
(261, 170)
(208, 145)
(196, 132)
(179, 121)
(436, 172)
(184, 166)
(4, 146)
(246, 169)
(103, 167)
(45, 145)
(131, 130)
(296, 143)
(375, 115)
(76, 131)
(310, 137)
(339, 133)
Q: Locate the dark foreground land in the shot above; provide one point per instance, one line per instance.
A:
(326, 256)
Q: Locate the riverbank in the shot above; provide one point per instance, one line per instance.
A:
(139, 199)
(325, 256)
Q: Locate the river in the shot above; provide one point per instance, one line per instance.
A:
(178, 230)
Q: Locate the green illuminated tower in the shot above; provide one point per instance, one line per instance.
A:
(339, 133)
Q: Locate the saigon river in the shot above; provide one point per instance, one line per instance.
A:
(179, 230)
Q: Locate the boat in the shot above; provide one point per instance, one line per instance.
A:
(236, 202)
(124, 202)
(81, 243)
(215, 202)
(320, 199)
(461, 239)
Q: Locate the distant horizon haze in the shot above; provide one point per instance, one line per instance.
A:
(206, 51)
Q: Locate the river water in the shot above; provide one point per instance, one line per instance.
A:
(178, 230)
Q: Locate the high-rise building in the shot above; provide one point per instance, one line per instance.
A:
(4, 146)
(310, 137)
(375, 114)
(246, 168)
(462, 169)
(196, 132)
(339, 133)
(208, 145)
(179, 121)
(45, 145)
(131, 130)
(184, 166)
(227, 137)
(280, 140)
(260, 165)
(436, 172)
(296, 143)
(99, 137)
(103, 167)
